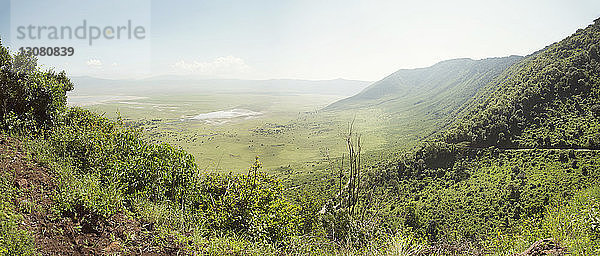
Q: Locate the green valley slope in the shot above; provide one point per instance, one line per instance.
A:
(417, 102)
(526, 142)
(551, 99)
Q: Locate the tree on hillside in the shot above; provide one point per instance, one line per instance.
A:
(29, 97)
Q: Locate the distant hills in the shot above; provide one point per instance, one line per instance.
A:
(173, 84)
(418, 102)
(452, 81)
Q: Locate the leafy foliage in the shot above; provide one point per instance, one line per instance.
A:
(500, 189)
(30, 98)
(107, 168)
(13, 239)
(573, 224)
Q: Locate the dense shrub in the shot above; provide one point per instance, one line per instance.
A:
(248, 204)
(573, 224)
(95, 145)
(30, 98)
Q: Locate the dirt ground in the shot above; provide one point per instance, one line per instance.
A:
(77, 233)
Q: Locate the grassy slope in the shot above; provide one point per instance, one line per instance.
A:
(573, 223)
(33, 223)
(13, 203)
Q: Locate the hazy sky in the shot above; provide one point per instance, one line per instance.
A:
(363, 40)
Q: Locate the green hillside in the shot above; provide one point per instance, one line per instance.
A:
(446, 84)
(551, 99)
(524, 144)
(418, 102)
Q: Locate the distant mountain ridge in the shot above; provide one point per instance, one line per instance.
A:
(456, 77)
(175, 84)
(548, 99)
(415, 103)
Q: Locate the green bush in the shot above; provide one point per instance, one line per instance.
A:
(572, 224)
(246, 204)
(14, 240)
(94, 145)
(30, 98)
